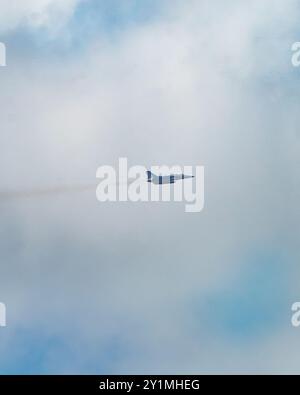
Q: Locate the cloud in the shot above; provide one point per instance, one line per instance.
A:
(208, 84)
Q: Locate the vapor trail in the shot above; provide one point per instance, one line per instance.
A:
(40, 192)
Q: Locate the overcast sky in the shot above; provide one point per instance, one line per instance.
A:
(146, 288)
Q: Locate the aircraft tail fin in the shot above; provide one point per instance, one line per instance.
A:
(151, 176)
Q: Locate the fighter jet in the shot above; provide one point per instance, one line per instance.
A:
(171, 179)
